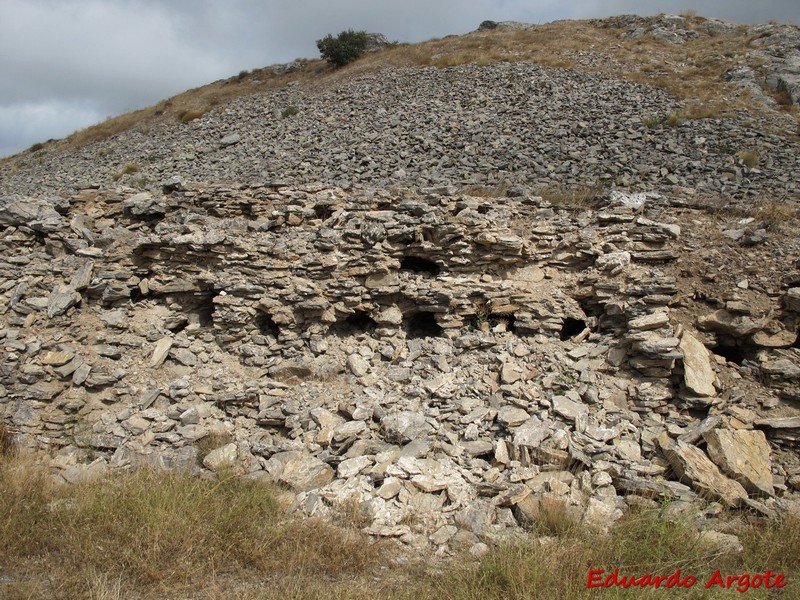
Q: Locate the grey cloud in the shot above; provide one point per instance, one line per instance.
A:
(21, 125)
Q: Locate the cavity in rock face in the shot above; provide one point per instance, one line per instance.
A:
(422, 325)
(418, 264)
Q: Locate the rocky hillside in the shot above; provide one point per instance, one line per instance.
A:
(447, 296)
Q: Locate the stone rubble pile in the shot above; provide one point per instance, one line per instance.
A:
(448, 364)
(519, 124)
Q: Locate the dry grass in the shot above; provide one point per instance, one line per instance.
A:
(554, 518)
(483, 191)
(151, 535)
(693, 111)
(211, 442)
(128, 169)
(186, 116)
(777, 213)
(750, 158)
(642, 543)
(161, 533)
(8, 447)
(573, 198)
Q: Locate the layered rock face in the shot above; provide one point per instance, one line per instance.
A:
(436, 358)
(386, 313)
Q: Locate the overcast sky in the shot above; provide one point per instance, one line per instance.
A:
(66, 64)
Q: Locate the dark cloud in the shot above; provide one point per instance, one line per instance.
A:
(70, 63)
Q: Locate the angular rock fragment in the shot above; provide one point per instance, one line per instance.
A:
(694, 468)
(405, 426)
(569, 409)
(698, 376)
(160, 352)
(512, 416)
(299, 470)
(744, 456)
(61, 299)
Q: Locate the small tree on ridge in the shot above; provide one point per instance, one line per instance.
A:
(344, 48)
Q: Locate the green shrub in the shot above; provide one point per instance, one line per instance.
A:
(344, 48)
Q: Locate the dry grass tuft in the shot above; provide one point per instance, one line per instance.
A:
(554, 518)
(691, 112)
(482, 191)
(186, 116)
(750, 158)
(8, 447)
(211, 442)
(573, 198)
(776, 214)
(128, 169)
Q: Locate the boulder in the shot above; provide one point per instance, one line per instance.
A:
(694, 468)
(299, 470)
(698, 376)
(743, 456)
(406, 426)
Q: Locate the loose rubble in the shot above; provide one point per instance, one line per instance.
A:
(558, 129)
(421, 353)
(385, 312)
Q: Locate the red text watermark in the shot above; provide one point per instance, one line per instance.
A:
(598, 578)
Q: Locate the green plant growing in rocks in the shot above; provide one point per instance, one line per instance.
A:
(344, 48)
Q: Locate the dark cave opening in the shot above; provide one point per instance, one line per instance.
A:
(422, 325)
(323, 211)
(266, 326)
(571, 328)
(734, 354)
(203, 313)
(196, 311)
(353, 324)
(417, 264)
(136, 295)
